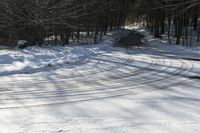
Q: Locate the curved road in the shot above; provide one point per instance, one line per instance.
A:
(134, 89)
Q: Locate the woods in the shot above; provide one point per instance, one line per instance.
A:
(42, 21)
(38, 20)
(178, 19)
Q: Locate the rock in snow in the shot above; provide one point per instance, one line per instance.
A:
(22, 44)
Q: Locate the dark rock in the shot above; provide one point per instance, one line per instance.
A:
(133, 39)
(22, 44)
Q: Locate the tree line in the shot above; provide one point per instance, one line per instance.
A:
(179, 19)
(37, 20)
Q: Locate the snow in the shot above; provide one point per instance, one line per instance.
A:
(6, 59)
(34, 59)
(113, 90)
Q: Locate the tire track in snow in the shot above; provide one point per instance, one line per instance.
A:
(118, 90)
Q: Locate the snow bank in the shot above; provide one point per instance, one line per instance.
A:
(157, 42)
(35, 58)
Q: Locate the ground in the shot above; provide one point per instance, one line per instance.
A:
(150, 88)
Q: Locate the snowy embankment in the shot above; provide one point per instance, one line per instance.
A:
(164, 43)
(34, 59)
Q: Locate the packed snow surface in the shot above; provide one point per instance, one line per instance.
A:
(101, 89)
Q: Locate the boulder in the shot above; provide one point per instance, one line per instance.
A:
(22, 44)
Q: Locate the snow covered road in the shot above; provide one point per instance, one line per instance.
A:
(139, 89)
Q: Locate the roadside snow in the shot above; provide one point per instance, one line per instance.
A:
(156, 42)
(31, 58)
(37, 58)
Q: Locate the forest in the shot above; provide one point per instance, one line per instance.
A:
(38, 20)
